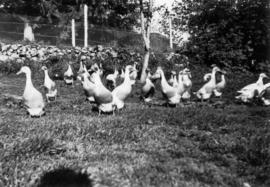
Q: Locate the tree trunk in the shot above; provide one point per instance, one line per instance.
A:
(145, 29)
(145, 66)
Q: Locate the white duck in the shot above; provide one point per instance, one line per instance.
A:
(134, 74)
(69, 76)
(250, 91)
(207, 90)
(220, 86)
(121, 92)
(187, 83)
(173, 79)
(148, 89)
(111, 78)
(81, 69)
(33, 99)
(50, 86)
(103, 97)
(169, 92)
(88, 87)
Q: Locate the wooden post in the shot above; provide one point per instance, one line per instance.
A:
(85, 26)
(73, 32)
(170, 27)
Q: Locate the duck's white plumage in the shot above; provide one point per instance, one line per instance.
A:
(169, 92)
(134, 74)
(88, 86)
(122, 75)
(250, 91)
(173, 79)
(220, 86)
(148, 89)
(69, 75)
(81, 69)
(103, 97)
(207, 90)
(121, 92)
(50, 86)
(187, 83)
(111, 78)
(33, 99)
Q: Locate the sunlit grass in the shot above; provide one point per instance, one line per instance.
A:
(142, 145)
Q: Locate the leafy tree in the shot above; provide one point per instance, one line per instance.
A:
(225, 32)
(108, 13)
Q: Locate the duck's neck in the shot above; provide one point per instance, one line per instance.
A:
(46, 74)
(84, 69)
(122, 73)
(81, 66)
(163, 78)
(260, 81)
(180, 78)
(28, 80)
(213, 77)
(69, 69)
(172, 77)
(185, 77)
(223, 78)
(127, 78)
(115, 73)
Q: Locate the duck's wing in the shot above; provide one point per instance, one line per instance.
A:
(104, 97)
(35, 100)
(248, 87)
(171, 93)
(120, 93)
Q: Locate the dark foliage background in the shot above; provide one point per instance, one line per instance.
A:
(230, 33)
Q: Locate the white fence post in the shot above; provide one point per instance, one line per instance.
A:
(85, 26)
(73, 32)
(170, 27)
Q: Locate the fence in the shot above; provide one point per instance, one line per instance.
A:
(51, 34)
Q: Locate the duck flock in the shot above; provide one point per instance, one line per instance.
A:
(110, 95)
(108, 99)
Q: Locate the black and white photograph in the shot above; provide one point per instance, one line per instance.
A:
(134, 93)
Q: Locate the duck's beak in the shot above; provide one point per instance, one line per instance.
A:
(19, 72)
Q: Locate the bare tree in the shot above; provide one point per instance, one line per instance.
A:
(146, 16)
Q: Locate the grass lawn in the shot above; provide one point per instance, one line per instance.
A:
(142, 145)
